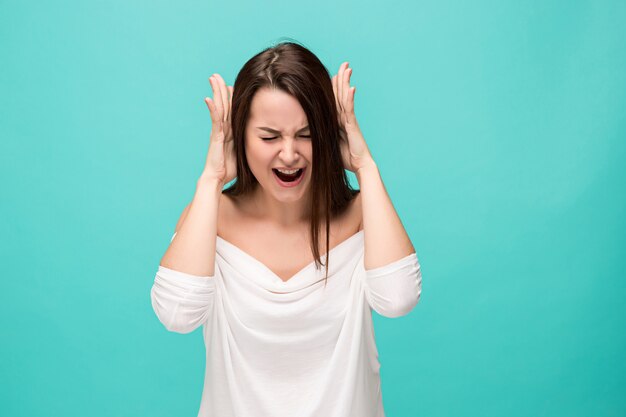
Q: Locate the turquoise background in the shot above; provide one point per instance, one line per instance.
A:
(499, 129)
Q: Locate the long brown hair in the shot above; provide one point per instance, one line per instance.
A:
(294, 69)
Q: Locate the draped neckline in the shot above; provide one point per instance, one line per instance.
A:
(275, 276)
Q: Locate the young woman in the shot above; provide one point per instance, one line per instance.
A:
(284, 337)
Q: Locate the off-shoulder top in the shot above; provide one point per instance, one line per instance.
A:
(290, 348)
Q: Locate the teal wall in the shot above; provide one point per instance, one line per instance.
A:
(499, 129)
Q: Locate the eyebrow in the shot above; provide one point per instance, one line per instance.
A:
(270, 130)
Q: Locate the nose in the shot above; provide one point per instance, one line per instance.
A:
(289, 152)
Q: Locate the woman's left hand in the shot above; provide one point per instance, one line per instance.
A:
(354, 150)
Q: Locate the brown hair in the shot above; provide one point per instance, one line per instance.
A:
(294, 69)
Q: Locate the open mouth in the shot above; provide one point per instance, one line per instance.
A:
(288, 177)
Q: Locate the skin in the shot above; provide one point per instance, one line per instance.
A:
(277, 238)
(290, 148)
(272, 224)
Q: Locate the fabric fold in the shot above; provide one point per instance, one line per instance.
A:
(302, 347)
(393, 290)
(182, 301)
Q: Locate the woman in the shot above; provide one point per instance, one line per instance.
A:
(282, 337)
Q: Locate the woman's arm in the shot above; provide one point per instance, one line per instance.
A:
(393, 280)
(386, 240)
(193, 249)
(184, 286)
(393, 277)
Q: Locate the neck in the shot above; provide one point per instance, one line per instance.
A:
(283, 214)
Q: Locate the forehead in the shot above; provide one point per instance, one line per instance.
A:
(276, 109)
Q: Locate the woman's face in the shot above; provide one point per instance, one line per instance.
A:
(277, 136)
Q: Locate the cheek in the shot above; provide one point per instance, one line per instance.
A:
(308, 153)
(258, 157)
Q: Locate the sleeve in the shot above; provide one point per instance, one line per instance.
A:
(394, 289)
(181, 301)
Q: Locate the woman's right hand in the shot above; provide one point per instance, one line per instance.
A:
(221, 163)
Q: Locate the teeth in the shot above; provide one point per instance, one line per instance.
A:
(288, 171)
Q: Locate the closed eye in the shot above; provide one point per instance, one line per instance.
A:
(274, 137)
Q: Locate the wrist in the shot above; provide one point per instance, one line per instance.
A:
(367, 168)
(208, 184)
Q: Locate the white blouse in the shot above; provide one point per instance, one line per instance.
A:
(294, 348)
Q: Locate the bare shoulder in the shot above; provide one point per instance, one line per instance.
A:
(228, 210)
(229, 205)
(352, 218)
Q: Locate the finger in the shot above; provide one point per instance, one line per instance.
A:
(346, 86)
(334, 82)
(230, 100)
(211, 106)
(217, 96)
(340, 82)
(224, 93)
(215, 119)
(350, 107)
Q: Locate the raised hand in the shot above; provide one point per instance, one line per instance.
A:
(354, 150)
(221, 163)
